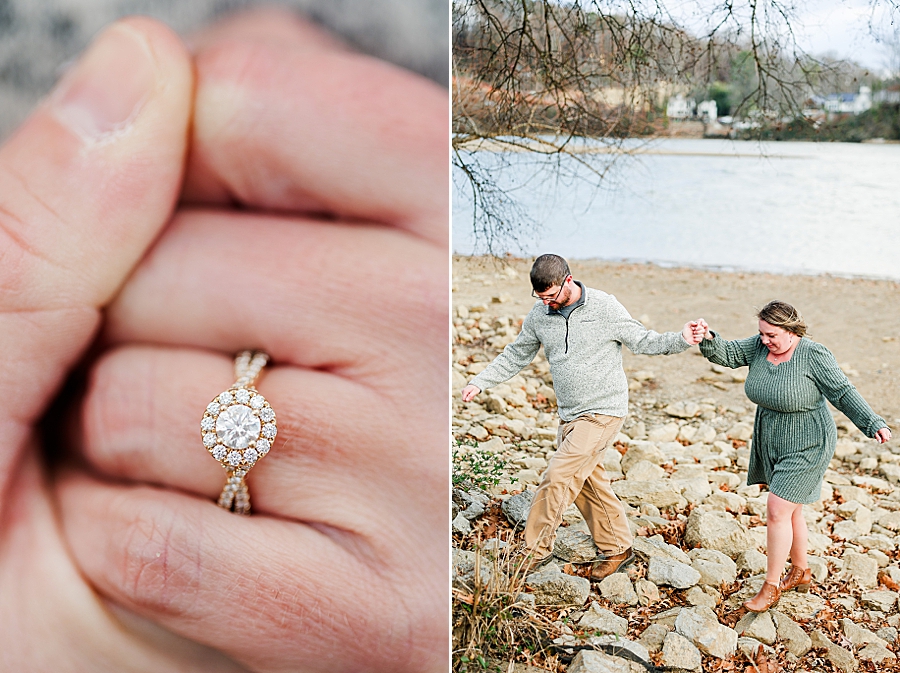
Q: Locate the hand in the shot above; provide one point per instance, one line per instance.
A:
(343, 565)
(692, 332)
(883, 435)
(469, 392)
(86, 184)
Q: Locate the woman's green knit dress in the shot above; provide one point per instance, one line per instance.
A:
(794, 434)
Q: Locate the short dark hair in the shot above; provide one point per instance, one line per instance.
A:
(783, 315)
(548, 270)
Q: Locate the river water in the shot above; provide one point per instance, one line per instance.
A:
(785, 207)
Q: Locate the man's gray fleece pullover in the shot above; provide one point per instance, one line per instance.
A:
(584, 352)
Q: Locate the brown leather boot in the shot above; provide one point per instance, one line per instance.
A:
(767, 597)
(797, 578)
(612, 564)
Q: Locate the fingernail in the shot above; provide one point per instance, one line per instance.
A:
(105, 91)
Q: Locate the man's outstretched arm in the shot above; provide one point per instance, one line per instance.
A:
(514, 358)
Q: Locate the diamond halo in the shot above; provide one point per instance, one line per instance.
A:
(238, 427)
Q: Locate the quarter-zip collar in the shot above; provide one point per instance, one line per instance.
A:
(567, 311)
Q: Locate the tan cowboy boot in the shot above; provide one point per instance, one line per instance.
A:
(767, 597)
(797, 578)
(612, 564)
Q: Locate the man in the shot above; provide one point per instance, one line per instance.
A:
(582, 331)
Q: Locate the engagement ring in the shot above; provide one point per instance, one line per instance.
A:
(238, 428)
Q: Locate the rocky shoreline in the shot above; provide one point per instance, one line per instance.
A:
(679, 465)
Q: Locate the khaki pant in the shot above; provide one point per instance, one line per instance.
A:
(575, 474)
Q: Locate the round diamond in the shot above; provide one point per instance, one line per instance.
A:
(208, 423)
(219, 452)
(263, 446)
(213, 408)
(242, 395)
(250, 455)
(209, 440)
(258, 402)
(237, 426)
(226, 398)
(234, 458)
(267, 414)
(269, 431)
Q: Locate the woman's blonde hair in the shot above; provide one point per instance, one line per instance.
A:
(783, 315)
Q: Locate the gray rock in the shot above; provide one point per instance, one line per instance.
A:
(516, 508)
(791, 634)
(617, 588)
(471, 503)
(461, 524)
(662, 570)
(697, 596)
(551, 587)
(890, 520)
(659, 492)
(638, 451)
(463, 561)
(858, 635)
(749, 647)
(719, 531)
(679, 652)
(694, 490)
(683, 409)
(701, 626)
(667, 617)
(647, 592)
(751, 562)
(819, 568)
(861, 569)
(877, 653)
(882, 600)
(800, 606)
(644, 470)
(664, 433)
(715, 568)
(757, 625)
(592, 661)
(653, 637)
(574, 546)
(888, 634)
(602, 620)
(841, 658)
(648, 547)
(632, 646)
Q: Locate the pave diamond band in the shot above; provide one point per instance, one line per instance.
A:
(238, 429)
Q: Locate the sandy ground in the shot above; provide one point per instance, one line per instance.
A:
(857, 319)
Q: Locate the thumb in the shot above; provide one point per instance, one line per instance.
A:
(86, 184)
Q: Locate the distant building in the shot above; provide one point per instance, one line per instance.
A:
(708, 111)
(679, 107)
(849, 103)
(887, 96)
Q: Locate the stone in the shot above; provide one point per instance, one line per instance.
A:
(619, 643)
(601, 620)
(647, 592)
(877, 653)
(861, 569)
(237, 426)
(659, 493)
(854, 493)
(694, 490)
(461, 524)
(697, 596)
(662, 570)
(702, 628)
(725, 501)
(667, 618)
(757, 625)
(819, 568)
(750, 562)
(679, 652)
(683, 409)
(593, 661)
(648, 547)
(791, 634)
(740, 431)
(749, 647)
(551, 587)
(638, 451)
(891, 521)
(574, 546)
(653, 637)
(888, 634)
(841, 658)
(463, 561)
(617, 588)
(859, 636)
(882, 600)
(472, 504)
(715, 568)
(664, 433)
(516, 508)
(800, 606)
(644, 470)
(718, 531)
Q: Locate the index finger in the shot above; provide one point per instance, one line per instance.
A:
(310, 126)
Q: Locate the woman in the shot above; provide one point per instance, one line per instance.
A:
(794, 434)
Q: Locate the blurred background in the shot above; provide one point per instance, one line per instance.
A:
(38, 37)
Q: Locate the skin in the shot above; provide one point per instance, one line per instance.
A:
(786, 530)
(304, 202)
(568, 292)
